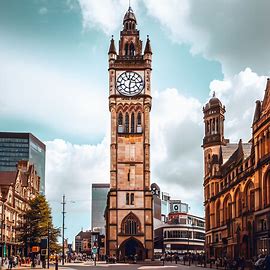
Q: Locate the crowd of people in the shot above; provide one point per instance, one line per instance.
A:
(261, 262)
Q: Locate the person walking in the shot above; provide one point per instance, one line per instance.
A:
(10, 262)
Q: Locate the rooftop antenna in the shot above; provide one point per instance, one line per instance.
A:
(214, 93)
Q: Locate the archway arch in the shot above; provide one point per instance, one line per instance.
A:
(130, 248)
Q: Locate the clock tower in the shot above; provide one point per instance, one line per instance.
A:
(129, 215)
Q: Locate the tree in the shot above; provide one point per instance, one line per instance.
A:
(37, 224)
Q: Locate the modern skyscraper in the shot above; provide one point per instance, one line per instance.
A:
(99, 201)
(129, 209)
(22, 146)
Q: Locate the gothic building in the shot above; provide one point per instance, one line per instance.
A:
(129, 217)
(237, 184)
(16, 189)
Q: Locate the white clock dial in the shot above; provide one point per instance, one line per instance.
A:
(130, 84)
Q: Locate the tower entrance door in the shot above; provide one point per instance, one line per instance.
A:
(130, 249)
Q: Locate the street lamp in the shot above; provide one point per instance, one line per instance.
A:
(48, 244)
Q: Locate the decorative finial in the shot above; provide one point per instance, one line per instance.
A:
(147, 36)
(129, 5)
(112, 36)
(214, 93)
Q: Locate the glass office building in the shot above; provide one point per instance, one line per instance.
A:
(22, 146)
(99, 202)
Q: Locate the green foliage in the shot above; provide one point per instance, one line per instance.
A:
(38, 222)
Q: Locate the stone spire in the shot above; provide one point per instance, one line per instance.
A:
(112, 47)
(148, 48)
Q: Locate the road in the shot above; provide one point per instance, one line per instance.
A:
(118, 266)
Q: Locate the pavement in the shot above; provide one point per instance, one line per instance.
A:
(118, 266)
(123, 266)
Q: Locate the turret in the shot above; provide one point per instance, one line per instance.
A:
(148, 50)
(214, 122)
(130, 44)
(112, 51)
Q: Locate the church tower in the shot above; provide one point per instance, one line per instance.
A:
(214, 133)
(129, 216)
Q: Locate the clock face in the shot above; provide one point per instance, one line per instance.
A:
(130, 83)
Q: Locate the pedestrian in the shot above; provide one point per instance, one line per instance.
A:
(10, 263)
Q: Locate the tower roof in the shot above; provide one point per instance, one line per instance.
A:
(266, 99)
(112, 46)
(213, 102)
(148, 48)
(130, 16)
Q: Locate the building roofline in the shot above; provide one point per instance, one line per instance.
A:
(100, 185)
(23, 135)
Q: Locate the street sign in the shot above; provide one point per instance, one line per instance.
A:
(44, 252)
(35, 249)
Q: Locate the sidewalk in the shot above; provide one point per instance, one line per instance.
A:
(27, 266)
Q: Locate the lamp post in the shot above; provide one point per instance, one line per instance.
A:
(48, 246)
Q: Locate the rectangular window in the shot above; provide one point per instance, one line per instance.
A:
(132, 198)
(127, 198)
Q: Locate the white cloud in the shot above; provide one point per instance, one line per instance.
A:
(70, 170)
(176, 136)
(45, 96)
(239, 93)
(105, 14)
(231, 32)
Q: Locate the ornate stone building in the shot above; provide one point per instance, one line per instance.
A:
(129, 217)
(237, 184)
(16, 189)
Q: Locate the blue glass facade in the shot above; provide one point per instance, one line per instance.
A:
(22, 146)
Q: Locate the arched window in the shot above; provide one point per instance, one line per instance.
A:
(132, 49)
(227, 208)
(132, 130)
(250, 197)
(120, 123)
(120, 119)
(126, 49)
(207, 218)
(139, 122)
(127, 123)
(218, 214)
(266, 189)
(238, 204)
(131, 225)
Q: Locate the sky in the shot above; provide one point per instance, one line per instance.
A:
(54, 84)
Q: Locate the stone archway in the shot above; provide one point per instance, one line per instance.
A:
(131, 247)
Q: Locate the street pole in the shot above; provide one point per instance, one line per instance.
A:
(63, 230)
(48, 245)
(2, 237)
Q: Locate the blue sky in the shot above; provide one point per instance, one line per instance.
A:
(53, 83)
